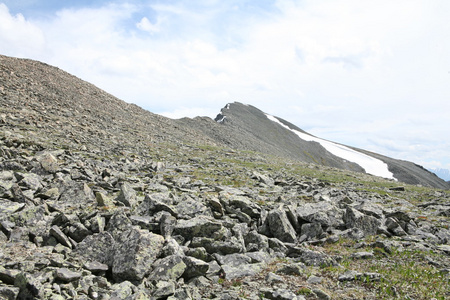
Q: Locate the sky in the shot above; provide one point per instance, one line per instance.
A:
(369, 74)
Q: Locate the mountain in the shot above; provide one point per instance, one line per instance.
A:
(245, 127)
(100, 199)
(66, 108)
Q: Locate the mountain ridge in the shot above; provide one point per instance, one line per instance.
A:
(246, 127)
(100, 199)
(59, 101)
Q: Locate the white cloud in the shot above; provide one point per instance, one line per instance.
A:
(19, 37)
(357, 72)
(146, 25)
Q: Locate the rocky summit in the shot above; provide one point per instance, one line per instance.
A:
(100, 199)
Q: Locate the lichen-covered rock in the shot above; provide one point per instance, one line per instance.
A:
(135, 251)
(194, 267)
(280, 227)
(229, 246)
(231, 272)
(167, 268)
(127, 195)
(199, 226)
(355, 219)
(255, 241)
(325, 213)
(75, 194)
(9, 292)
(311, 230)
(97, 247)
(67, 275)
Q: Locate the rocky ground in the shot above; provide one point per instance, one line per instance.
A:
(191, 222)
(96, 203)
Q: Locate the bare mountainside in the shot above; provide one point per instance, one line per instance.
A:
(100, 199)
(243, 126)
(64, 106)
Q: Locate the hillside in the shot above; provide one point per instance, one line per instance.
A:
(100, 199)
(243, 126)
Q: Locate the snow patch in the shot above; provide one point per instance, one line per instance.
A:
(227, 106)
(221, 119)
(370, 164)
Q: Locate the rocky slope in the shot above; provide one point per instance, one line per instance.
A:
(92, 207)
(246, 127)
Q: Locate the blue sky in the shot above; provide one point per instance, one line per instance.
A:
(370, 74)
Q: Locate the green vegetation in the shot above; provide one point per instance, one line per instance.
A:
(404, 273)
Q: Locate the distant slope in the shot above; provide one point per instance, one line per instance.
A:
(64, 108)
(246, 127)
(55, 108)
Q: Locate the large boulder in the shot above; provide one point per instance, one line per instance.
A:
(280, 226)
(135, 252)
(324, 213)
(97, 247)
(199, 226)
(355, 219)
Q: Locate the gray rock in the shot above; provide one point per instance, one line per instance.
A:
(212, 246)
(362, 255)
(9, 292)
(60, 236)
(241, 271)
(280, 226)
(154, 203)
(324, 213)
(135, 251)
(263, 178)
(164, 289)
(394, 227)
(96, 267)
(167, 225)
(370, 209)
(233, 260)
(188, 208)
(75, 194)
(259, 257)
(199, 226)
(246, 205)
(66, 275)
(314, 279)
(292, 269)
(48, 162)
(354, 275)
(277, 246)
(118, 223)
(194, 267)
(168, 268)
(30, 181)
(273, 278)
(8, 275)
(127, 195)
(311, 257)
(9, 207)
(280, 294)
(97, 247)
(311, 230)
(355, 219)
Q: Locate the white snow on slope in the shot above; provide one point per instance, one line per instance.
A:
(221, 120)
(370, 164)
